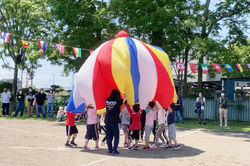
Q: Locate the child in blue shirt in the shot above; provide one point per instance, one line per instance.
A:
(171, 128)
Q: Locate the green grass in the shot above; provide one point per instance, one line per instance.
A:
(232, 125)
(189, 124)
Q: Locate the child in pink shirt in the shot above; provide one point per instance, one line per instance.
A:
(92, 132)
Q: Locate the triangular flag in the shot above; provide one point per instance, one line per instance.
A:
(77, 51)
(192, 67)
(90, 51)
(180, 66)
(248, 66)
(228, 67)
(239, 68)
(204, 68)
(24, 43)
(42, 45)
(217, 67)
(60, 48)
(5, 36)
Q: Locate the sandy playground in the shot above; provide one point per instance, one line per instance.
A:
(41, 143)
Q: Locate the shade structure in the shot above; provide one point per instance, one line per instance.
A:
(138, 70)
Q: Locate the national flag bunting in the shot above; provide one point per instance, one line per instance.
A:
(192, 67)
(217, 67)
(239, 68)
(42, 45)
(60, 48)
(90, 51)
(228, 67)
(77, 51)
(204, 68)
(180, 66)
(248, 66)
(5, 36)
(24, 43)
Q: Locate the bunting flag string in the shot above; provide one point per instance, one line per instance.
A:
(77, 52)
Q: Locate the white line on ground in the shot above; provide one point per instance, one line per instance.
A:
(191, 132)
(95, 162)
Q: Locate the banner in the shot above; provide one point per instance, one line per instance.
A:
(217, 67)
(180, 66)
(5, 36)
(204, 68)
(192, 67)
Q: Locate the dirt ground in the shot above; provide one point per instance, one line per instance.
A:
(35, 143)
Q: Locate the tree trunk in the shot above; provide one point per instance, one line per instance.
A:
(157, 38)
(203, 35)
(185, 72)
(200, 74)
(14, 86)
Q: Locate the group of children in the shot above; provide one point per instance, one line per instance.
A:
(134, 122)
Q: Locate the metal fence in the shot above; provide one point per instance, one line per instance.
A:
(237, 110)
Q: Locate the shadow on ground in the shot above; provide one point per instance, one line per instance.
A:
(185, 151)
(236, 134)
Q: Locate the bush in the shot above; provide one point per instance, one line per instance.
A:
(7, 85)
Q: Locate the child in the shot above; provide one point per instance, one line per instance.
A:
(102, 127)
(149, 124)
(171, 128)
(60, 114)
(135, 126)
(125, 122)
(71, 130)
(161, 126)
(92, 132)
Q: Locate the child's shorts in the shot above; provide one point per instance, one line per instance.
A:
(148, 130)
(71, 130)
(171, 131)
(92, 132)
(125, 128)
(135, 134)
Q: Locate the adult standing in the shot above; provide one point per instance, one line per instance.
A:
(200, 107)
(5, 97)
(177, 110)
(40, 99)
(50, 104)
(20, 102)
(113, 103)
(223, 109)
(31, 98)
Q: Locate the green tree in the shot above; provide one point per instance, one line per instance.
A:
(83, 24)
(24, 20)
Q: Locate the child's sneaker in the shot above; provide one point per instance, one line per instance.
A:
(130, 148)
(136, 148)
(73, 143)
(125, 145)
(164, 146)
(153, 146)
(97, 148)
(176, 147)
(85, 148)
(146, 148)
(68, 145)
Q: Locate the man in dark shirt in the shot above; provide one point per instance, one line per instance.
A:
(112, 118)
(20, 105)
(40, 99)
